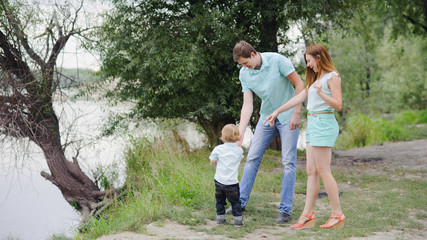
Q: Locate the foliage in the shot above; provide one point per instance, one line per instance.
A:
(151, 165)
(364, 130)
(411, 117)
(407, 17)
(173, 58)
(106, 177)
(380, 73)
(403, 77)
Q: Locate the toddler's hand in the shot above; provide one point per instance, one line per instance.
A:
(213, 163)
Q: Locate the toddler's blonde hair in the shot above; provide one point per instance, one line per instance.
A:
(230, 133)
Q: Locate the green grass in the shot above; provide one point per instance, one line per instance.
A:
(165, 184)
(362, 130)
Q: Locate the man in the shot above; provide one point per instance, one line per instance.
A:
(270, 76)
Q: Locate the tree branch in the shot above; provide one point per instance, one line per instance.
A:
(15, 23)
(415, 22)
(49, 177)
(12, 61)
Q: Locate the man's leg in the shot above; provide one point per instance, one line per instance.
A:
(260, 141)
(289, 140)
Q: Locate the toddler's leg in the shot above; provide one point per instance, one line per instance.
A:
(233, 195)
(220, 197)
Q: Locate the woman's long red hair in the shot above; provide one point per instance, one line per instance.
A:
(318, 51)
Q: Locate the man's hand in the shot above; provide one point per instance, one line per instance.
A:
(213, 163)
(295, 121)
(242, 136)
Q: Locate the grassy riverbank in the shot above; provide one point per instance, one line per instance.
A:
(164, 183)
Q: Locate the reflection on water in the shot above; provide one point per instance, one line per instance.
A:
(32, 208)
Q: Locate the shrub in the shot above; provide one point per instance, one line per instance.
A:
(362, 130)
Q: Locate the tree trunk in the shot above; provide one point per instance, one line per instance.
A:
(212, 130)
(77, 188)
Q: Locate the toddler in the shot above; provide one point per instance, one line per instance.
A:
(226, 157)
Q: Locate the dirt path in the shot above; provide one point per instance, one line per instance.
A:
(408, 155)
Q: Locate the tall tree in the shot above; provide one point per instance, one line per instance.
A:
(29, 49)
(407, 17)
(173, 58)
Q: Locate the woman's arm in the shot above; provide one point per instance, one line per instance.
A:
(336, 100)
(297, 99)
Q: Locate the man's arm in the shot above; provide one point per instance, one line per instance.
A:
(299, 86)
(245, 114)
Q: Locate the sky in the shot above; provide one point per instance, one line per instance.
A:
(74, 56)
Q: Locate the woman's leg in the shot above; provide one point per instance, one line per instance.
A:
(323, 157)
(313, 184)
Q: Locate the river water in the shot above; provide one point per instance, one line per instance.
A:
(32, 208)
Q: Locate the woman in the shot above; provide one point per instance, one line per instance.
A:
(323, 91)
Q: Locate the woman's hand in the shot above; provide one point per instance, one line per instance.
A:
(271, 118)
(318, 86)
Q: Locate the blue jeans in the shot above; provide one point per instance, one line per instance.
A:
(230, 192)
(261, 140)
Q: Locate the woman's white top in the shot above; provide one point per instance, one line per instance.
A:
(315, 102)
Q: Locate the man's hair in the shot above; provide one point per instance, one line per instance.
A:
(230, 133)
(242, 49)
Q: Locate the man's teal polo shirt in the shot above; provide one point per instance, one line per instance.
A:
(270, 84)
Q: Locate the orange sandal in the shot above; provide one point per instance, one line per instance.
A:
(307, 224)
(338, 224)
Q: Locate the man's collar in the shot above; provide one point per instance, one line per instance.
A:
(264, 62)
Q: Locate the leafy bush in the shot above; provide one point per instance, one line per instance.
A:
(423, 117)
(362, 130)
(412, 117)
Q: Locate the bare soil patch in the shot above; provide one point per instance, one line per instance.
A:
(409, 155)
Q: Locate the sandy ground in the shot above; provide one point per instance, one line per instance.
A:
(408, 155)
